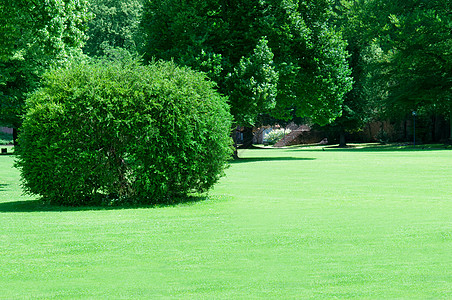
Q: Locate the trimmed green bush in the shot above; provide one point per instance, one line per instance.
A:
(102, 132)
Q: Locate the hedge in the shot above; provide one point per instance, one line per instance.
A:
(107, 132)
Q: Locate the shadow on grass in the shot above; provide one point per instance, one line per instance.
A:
(3, 187)
(41, 206)
(265, 159)
(377, 147)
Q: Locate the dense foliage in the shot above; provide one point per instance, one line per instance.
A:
(120, 131)
(416, 41)
(274, 59)
(403, 55)
(114, 25)
(34, 35)
(357, 106)
(282, 57)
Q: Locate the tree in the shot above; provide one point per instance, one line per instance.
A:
(311, 59)
(253, 83)
(357, 108)
(114, 25)
(37, 35)
(113, 131)
(414, 64)
(243, 45)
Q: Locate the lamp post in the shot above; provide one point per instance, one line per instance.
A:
(414, 128)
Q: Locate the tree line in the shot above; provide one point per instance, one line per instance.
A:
(336, 62)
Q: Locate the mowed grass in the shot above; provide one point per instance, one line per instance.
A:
(284, 223)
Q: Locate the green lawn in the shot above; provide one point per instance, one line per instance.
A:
(289, 223)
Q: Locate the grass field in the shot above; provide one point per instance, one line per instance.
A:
(289, 223)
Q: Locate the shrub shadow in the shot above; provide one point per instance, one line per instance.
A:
(41, 206)
(265, 159)
(377, 148)
(3, 187)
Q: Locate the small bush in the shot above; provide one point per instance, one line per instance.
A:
(107, 132)
(275, 135)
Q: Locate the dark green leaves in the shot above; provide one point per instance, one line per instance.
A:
(34, 36)
(301, 70)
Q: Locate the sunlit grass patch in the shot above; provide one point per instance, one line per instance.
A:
(283, 223)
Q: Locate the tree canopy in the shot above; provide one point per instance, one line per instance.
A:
(283, 59)
(400, 57)
(272, 56)
(114, 25)
(35, 35)
(414, 59)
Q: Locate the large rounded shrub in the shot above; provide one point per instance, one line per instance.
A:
(123, 132)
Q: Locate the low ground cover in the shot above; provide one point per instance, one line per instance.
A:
(284, 223)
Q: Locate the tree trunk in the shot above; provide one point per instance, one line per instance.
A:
(342, 142)
(247, 138)
(433, 132)
(235, 155)
(450, 125)
(405, 130)
(15, 136)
